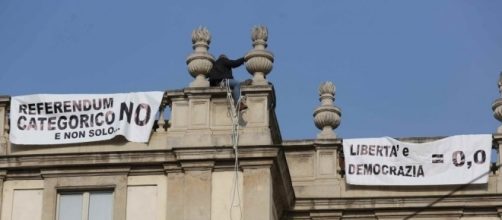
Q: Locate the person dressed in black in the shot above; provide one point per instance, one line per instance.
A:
(222, 70)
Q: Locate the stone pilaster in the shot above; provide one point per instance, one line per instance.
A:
(3, 174)
(258, 124)
(197, 190)
(258, 203)
(4, 124)
(189, 190)
(201, 117)
(267, 189)
(316, 167)
(198, 120)
(175, 192)
(497, 141)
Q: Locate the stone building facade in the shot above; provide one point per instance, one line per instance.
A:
(188, 168)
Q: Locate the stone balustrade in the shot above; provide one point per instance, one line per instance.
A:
(199, 116)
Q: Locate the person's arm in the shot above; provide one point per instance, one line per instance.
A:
(235, 63)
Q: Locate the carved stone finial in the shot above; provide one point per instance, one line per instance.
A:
(259, 60)
(327, 116)
(202, 37)
(200, 61)
(327, 93)
(259, 36)
(500, 84)
(497, 105)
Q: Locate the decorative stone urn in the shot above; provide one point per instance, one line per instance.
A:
(259, 60)
(327, 116)
(497, 105)
(200, 61)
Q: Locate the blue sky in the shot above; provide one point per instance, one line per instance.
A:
(402, 68)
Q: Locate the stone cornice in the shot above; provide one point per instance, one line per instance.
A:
(4, 100)
(398, 208)
(219, 153)
(257, 88)
(485, 200)
(3, 175)
(82, 159)
(183, 93)
(311, 144)
(497, 137)
(85, 171)
(175, 160)
(197, 165)
(172, 168)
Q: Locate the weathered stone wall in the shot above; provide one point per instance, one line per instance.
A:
(321, 191)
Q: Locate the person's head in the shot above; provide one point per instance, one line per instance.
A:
(222, 56)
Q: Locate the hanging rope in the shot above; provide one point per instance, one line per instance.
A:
(234, 114)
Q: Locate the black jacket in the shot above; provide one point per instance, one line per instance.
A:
(222, 69)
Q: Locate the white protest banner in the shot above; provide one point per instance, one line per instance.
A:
(458, 159)
(63, 119)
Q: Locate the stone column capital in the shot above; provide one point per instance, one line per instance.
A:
(172, 168)
(497, 138)
(256, 164)
(203, 165)
(328, 143)
(3, 175)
